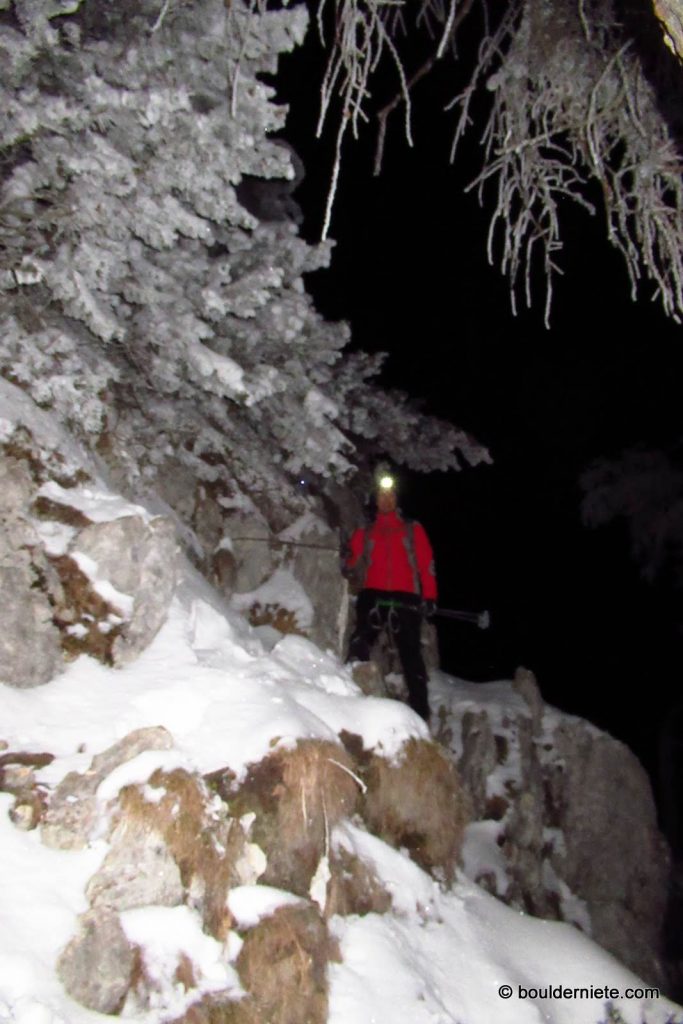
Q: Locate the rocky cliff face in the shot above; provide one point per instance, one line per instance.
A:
(88, 572)
(565, 822)
(92, 571)
(83, 570)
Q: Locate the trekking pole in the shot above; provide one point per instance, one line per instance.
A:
(481, 619)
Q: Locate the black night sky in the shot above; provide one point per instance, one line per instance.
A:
(410, 273)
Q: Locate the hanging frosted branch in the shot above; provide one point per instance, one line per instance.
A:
(569, 104)
(566, 107)
(335, 178)
(362, 37)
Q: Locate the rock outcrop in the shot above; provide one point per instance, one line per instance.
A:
(78, 586)
(137, 558)
(417, 803)
(565, 817)
(563, 813)
(97, 966)
(178, 840)
(74, 809)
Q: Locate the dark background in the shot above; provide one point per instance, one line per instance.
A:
(410, 273)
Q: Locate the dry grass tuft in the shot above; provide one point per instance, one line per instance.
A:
(46, 508)
(354, 888)
(283, 967)
(206, 847)
(282, 619)
(211, 1009)
(353, 744)
(88, 624)
(223, 570)
(184, 973)
(496, 808)
(297, 796)
(24, 757)
(17, 777)
(418, 803)
(22, 447)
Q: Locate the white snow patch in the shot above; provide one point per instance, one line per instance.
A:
(106, 590)
(138, 770)
(97, 503)
(481, 854)
(318, 888)
(209, 363)
(164, 934)
(249, 904)
(55, 537)
(411, 889)
(42, 892)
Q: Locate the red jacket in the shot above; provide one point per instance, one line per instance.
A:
(388, 554)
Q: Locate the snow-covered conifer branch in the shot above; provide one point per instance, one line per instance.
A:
(142, 301)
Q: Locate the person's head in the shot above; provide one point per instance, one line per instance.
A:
(386, 498)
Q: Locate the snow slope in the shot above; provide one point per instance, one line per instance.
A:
(440, 958)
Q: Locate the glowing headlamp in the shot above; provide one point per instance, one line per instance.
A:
(386, 482)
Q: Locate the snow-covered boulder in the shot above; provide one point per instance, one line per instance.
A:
(97, 966)
(82, 569)
(289, 580)
(73, 815)
(136, 555)
(312, 552)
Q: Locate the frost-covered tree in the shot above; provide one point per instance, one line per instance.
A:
(138, 298)
(583, 108)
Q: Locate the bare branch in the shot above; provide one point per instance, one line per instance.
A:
(452, 24)
(570, 104)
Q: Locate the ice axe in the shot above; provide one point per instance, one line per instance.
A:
(481, 619)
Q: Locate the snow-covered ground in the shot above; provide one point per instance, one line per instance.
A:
(225, 694)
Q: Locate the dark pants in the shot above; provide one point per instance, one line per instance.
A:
(398, 614)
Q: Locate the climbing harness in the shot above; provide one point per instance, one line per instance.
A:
(389, 625)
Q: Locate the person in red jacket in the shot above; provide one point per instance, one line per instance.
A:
(392, 562)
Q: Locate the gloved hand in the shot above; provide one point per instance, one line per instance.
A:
(429, 610)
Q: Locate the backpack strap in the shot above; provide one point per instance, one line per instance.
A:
(356, 576)
(409, 541)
